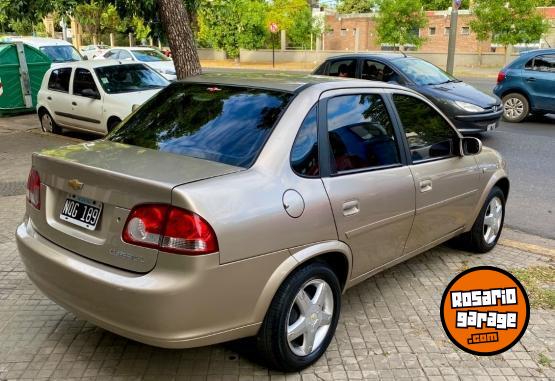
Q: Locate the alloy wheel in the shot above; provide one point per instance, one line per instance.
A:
(513, 108)
(493, 220)
(46, 123)
(310, 317)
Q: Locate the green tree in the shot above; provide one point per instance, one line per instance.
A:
(295, 17)
(356, 6)
(441, 5)
(508, 22)
(89, 16)
(399, 22)
(232, 24)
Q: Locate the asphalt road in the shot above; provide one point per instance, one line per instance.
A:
(529, 149)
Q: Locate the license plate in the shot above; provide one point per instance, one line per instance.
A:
(81, 211)
(492, 126)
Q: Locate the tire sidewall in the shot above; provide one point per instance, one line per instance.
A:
(291, 287)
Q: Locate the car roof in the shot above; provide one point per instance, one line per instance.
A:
(283, 81)
(36, 41)
(538, 51)
(132, 48)
(389, 56)
(92, 64)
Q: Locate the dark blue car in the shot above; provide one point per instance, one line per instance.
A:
(469, 109)
(527, 85)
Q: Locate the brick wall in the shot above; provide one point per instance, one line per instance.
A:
(342, 32)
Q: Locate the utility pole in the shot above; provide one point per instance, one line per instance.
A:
(453, 36)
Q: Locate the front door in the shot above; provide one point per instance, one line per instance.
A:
(87, 103)
(370, 187)
(539, 76)
(447, 184)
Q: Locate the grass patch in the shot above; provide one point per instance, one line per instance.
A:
(539, 282)
(543, 360)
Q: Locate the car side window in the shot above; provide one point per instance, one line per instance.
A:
(83, 80)
(361, 135)
(544, 63)
(377, 71)
(428, 134)
(124, 55)
(304, 154)
(343, 68)
(59, 80)
(112, 54)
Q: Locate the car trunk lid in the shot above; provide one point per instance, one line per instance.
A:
(115, 177)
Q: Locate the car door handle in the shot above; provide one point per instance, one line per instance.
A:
(49, 98)
(74, 103)
(350, 208)
(425, 186)
(531, 79)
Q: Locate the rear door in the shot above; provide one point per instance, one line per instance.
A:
(446, 183)
(343, 67)
(87, 101)
(57, 98)
(539, 77)
(370, 187)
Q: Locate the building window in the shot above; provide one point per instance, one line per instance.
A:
(465, 31)
(432, 31)
(446, 31)
(343, 32)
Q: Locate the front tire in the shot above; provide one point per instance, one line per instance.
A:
(487, 228)
(302, 319)
(515, 107)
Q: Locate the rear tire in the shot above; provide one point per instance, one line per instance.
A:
(515, 107)
(47, 123)
(301, 320)
(487, 228)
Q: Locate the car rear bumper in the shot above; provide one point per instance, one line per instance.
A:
(478, 122)
(183, 302)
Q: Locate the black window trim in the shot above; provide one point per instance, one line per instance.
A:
(70, 82)
(404, 138)
(324, 149)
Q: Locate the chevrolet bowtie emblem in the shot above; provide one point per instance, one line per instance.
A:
(75, 184)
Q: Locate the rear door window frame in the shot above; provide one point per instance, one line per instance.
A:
(324, 147)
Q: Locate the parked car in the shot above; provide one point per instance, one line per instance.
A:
(94, 96)
(527, 85)
(92, 51)
(59, 51)
(148, 56)
(236, 205)
(468, 108)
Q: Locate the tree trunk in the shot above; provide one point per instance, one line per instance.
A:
(177, 26)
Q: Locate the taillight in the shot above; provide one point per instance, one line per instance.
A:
(169, 229)
(33, 188)
(501, 76)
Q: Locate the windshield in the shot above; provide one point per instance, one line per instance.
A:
(61, 53)
(220, 123)
(422, 72)
(127, 78)
(150, 56)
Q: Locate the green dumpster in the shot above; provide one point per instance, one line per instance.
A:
(22, 69)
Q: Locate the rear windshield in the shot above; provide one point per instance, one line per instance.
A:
(220, 123)
(127, 78)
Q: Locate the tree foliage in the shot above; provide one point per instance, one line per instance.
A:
(294, 16)
(356, 6)
(398, 22)
(232, 24)
(508, 22)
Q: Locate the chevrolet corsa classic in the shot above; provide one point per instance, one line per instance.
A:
(231, 206)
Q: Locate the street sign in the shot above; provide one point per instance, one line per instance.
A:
(457, 4)
(274, 27)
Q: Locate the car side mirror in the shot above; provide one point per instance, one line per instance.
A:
(90, 93)
(471, 146)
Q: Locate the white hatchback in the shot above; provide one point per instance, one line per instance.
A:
(94, 96)
(149, 56)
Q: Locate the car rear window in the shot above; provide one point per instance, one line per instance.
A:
(226, 124)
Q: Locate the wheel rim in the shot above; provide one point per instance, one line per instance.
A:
(514, 108)
(46, 123)
(492, 220)
(310, 317)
